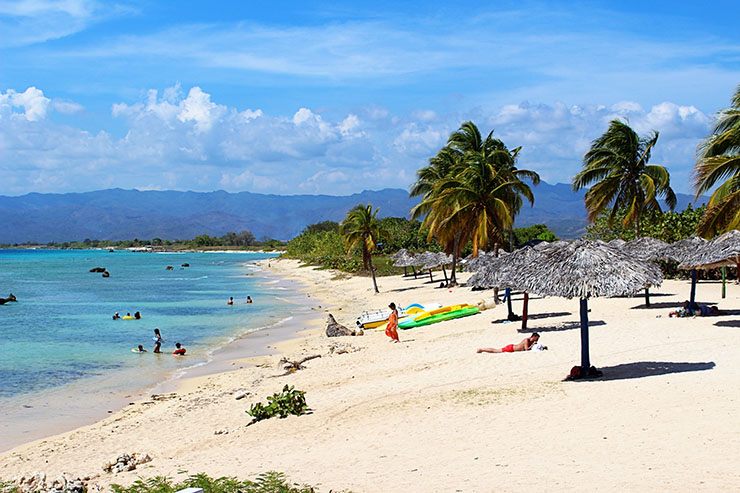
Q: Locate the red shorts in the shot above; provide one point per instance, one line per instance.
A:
(508, 349)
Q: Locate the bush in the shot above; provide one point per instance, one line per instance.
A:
(270, 482)
(283, 404)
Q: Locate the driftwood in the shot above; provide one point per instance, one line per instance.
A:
(335, 329)
(294, 366)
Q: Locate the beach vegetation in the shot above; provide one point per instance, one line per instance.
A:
(269, 482)
(616, 169)
(471, 192)
(362, 229)
(719, 165)
(531, 233)
(283, 404)
(322, 226)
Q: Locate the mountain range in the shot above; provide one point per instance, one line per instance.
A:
(117, 214)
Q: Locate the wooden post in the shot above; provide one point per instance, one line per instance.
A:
(507, 295)
(525, 310)
(430, 275)
(693, 290)
(647, 297)
(724, 293)
(585, 360)
(444, 271)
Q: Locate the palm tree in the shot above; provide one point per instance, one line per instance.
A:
(471, 191)
(362, 228)
(617, 167)
(719, 159)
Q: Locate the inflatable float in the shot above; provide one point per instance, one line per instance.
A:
(376, 318)
(438, 315)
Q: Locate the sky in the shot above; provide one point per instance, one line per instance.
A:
(339, 97)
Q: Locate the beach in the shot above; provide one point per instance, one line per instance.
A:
(429, 414)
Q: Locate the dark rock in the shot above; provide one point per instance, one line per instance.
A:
(334, 329)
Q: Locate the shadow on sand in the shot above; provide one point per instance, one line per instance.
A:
(659, 305)
(572, 325)
(642, 369)
(735, 324)
(534, 316)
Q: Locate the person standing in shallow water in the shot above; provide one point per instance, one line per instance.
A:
(391, 330)
(157, 341)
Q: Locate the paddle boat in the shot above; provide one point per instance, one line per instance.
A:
(438, 315)
(376, 318)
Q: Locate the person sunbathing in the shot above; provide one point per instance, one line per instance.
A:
(527, 344)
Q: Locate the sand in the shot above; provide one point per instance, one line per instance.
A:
(429, 414)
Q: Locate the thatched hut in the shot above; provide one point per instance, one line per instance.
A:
(584, 269)
(404, 258)
(722, 251)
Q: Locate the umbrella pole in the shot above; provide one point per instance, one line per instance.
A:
(430, 275)
(525, 309)
(693, 290)
(585, 360)
(413, 269)
(647, 297)
(444, 271)
(507, 295)
(405, 273)
(723, 283)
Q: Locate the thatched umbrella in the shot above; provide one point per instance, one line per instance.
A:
(681, 251)
(617, 242)
(585, 269)
(439, 259)
(482, 260)
(646, 248)
(496, 272)
(403, 258)
(722, 251)
(422, 259)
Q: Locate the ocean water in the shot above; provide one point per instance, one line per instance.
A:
(59, 344)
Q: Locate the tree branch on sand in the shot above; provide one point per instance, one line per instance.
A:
(294, 366)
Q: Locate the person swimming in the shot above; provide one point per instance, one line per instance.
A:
(249, 299)
(179, 351)
(141, 349)
(116, 316)
(137, 316)
(231, 300)
(157, 341)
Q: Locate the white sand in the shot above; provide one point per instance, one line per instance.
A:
(430, 414)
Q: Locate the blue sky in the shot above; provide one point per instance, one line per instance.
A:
(296, 97)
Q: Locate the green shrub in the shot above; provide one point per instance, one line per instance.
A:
(283, 404)
(270, 482)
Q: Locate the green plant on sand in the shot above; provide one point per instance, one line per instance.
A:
(283, 404)
(269, 482)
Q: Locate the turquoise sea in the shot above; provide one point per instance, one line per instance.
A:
(61, 352)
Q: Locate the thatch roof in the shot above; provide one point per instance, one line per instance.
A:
(722, 250)
(646, 248)
(475, 264)
(583, 269)
(617, 242)
(682, 249)
(437, 259)
(497, 271)
(406, 259)
(399, 254)
(421, 259)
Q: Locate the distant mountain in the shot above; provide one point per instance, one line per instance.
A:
(117, 214)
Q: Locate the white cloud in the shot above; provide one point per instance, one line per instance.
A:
(32, 100)
(67, 107)
(185, 140)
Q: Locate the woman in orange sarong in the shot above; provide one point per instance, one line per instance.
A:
(391, 329)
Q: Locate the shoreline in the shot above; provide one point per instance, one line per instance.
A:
(430, 414)
(242, 350)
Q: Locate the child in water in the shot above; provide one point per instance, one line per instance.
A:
(180, 351)
(157, 341)
(141, 349)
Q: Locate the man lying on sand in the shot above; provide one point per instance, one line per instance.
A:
(526, 344)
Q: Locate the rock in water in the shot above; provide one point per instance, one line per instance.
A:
(334, 329)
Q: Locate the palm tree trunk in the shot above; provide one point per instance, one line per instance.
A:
(372, 272)
(455, 246)
(365, 256)
(495, 290)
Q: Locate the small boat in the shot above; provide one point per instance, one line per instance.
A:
(439, 315)
(376, 318)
